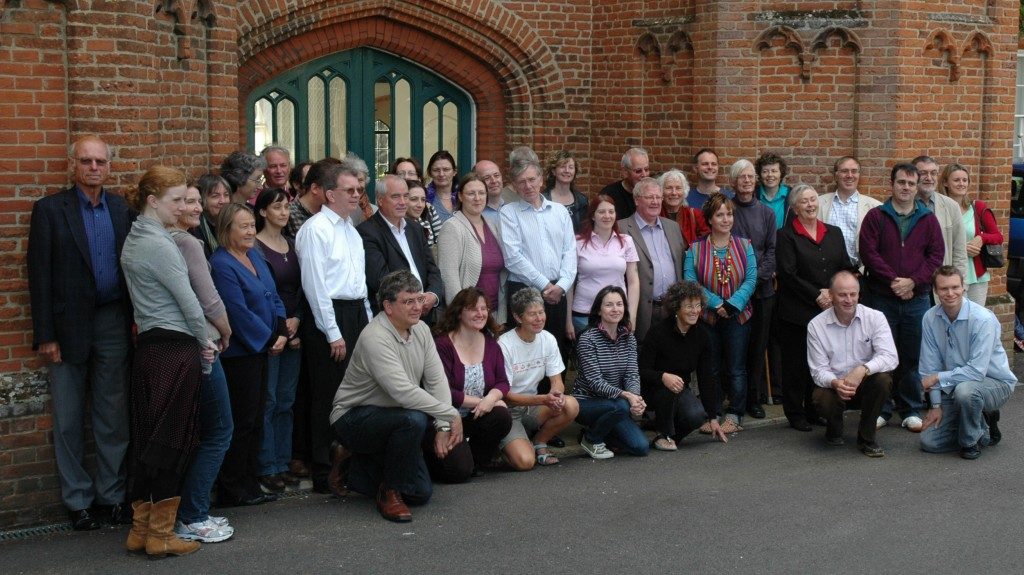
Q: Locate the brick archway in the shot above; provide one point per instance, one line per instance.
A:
(507, 69)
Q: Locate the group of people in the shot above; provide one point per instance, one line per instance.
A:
(286, 327)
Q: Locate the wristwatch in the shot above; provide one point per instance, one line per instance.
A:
(444, 429)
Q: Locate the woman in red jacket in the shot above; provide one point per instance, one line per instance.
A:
(979, 225)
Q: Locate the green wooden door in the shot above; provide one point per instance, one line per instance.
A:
(369, 102)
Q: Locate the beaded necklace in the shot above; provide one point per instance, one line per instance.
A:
(723, 270)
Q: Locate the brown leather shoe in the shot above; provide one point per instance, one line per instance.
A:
(391, 506)
(298, 468)
(336, 477)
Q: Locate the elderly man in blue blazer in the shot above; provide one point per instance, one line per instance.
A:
(80, 320)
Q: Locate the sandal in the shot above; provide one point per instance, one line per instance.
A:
(664, 443)
(730, 426)
(544, 455)
(706, 428)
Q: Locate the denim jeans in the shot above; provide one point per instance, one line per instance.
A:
(728, 350)
(608, 421)
(215, 429)
(385, 445)
(963, 424)
(282, 381)
(904, 319)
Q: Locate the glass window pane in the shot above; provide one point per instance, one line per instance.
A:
(315, 115)
(263, 124)
(401, 129)
(381, 126)
(339, 112)
(286, 124)
(451, 130)
(430, 131)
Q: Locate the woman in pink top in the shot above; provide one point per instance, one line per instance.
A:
(605, 257)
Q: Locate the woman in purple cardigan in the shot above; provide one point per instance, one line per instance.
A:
(476, 374)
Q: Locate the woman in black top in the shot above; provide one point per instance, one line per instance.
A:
(673, 349)
(560, 186)
(808, 252)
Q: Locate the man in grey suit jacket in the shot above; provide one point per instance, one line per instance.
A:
(661, 248)
(80, 319)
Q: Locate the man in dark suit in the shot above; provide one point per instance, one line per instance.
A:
(392, 243)
(80, 319)
(661, 248)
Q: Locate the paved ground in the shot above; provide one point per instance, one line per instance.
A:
(771, 501)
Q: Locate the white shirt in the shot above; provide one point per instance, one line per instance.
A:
(403, 242)
(526, 363)
(834, 349)
(333, 267)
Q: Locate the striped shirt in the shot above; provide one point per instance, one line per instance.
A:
(844, 215)
(538, 244)
(607, 368)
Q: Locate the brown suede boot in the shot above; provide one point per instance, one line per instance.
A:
(162, 540)
(136, 542)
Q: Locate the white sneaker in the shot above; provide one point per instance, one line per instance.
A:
(880, 422)
(913, 423)
(596, 450)
(218, 521)
(204, 532)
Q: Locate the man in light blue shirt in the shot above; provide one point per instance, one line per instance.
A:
(539, 246)
(964, 371)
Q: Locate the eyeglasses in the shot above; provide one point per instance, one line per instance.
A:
(259, 180)
(691, 306)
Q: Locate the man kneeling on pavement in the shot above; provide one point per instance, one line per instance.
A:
(850, 352)
(964, 371)
(381, 412)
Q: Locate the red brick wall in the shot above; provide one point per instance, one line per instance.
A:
(809, 80)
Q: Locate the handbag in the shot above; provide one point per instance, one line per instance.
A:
(992, 254)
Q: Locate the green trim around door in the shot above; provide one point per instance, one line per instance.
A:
(372, 103)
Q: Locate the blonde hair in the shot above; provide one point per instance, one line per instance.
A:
(155, 182)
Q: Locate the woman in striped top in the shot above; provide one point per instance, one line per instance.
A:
(607, 386)
(724, 265)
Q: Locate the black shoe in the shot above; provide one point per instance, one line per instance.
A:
(815, 420)
(756, 411)
(556, 441)
(834, 441)
(321, 486)
(970, 452)
(272, 483)
(799, 425)
(871, 449)
(82, 520)
(992, 419)
(117, 514)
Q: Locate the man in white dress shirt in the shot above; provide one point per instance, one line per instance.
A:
(334, 280)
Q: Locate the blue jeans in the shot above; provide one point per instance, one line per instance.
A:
(579, 323)
(282, 381)
(608, 421)
(962, 423)
(386, 449)
(215, 429)
(728, 350)
(904, 319)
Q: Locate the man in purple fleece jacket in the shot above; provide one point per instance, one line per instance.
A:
(901, 247)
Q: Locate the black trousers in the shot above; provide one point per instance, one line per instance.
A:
(870, 396)
(796, 398)
(247, 389)
(676, 415)
(761, 328)
(482, 437)
(325, 375)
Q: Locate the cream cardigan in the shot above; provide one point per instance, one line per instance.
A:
(460, 259)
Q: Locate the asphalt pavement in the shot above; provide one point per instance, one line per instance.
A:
(772, 500)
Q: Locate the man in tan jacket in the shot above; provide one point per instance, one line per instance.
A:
(946, 209)
(846, 207)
